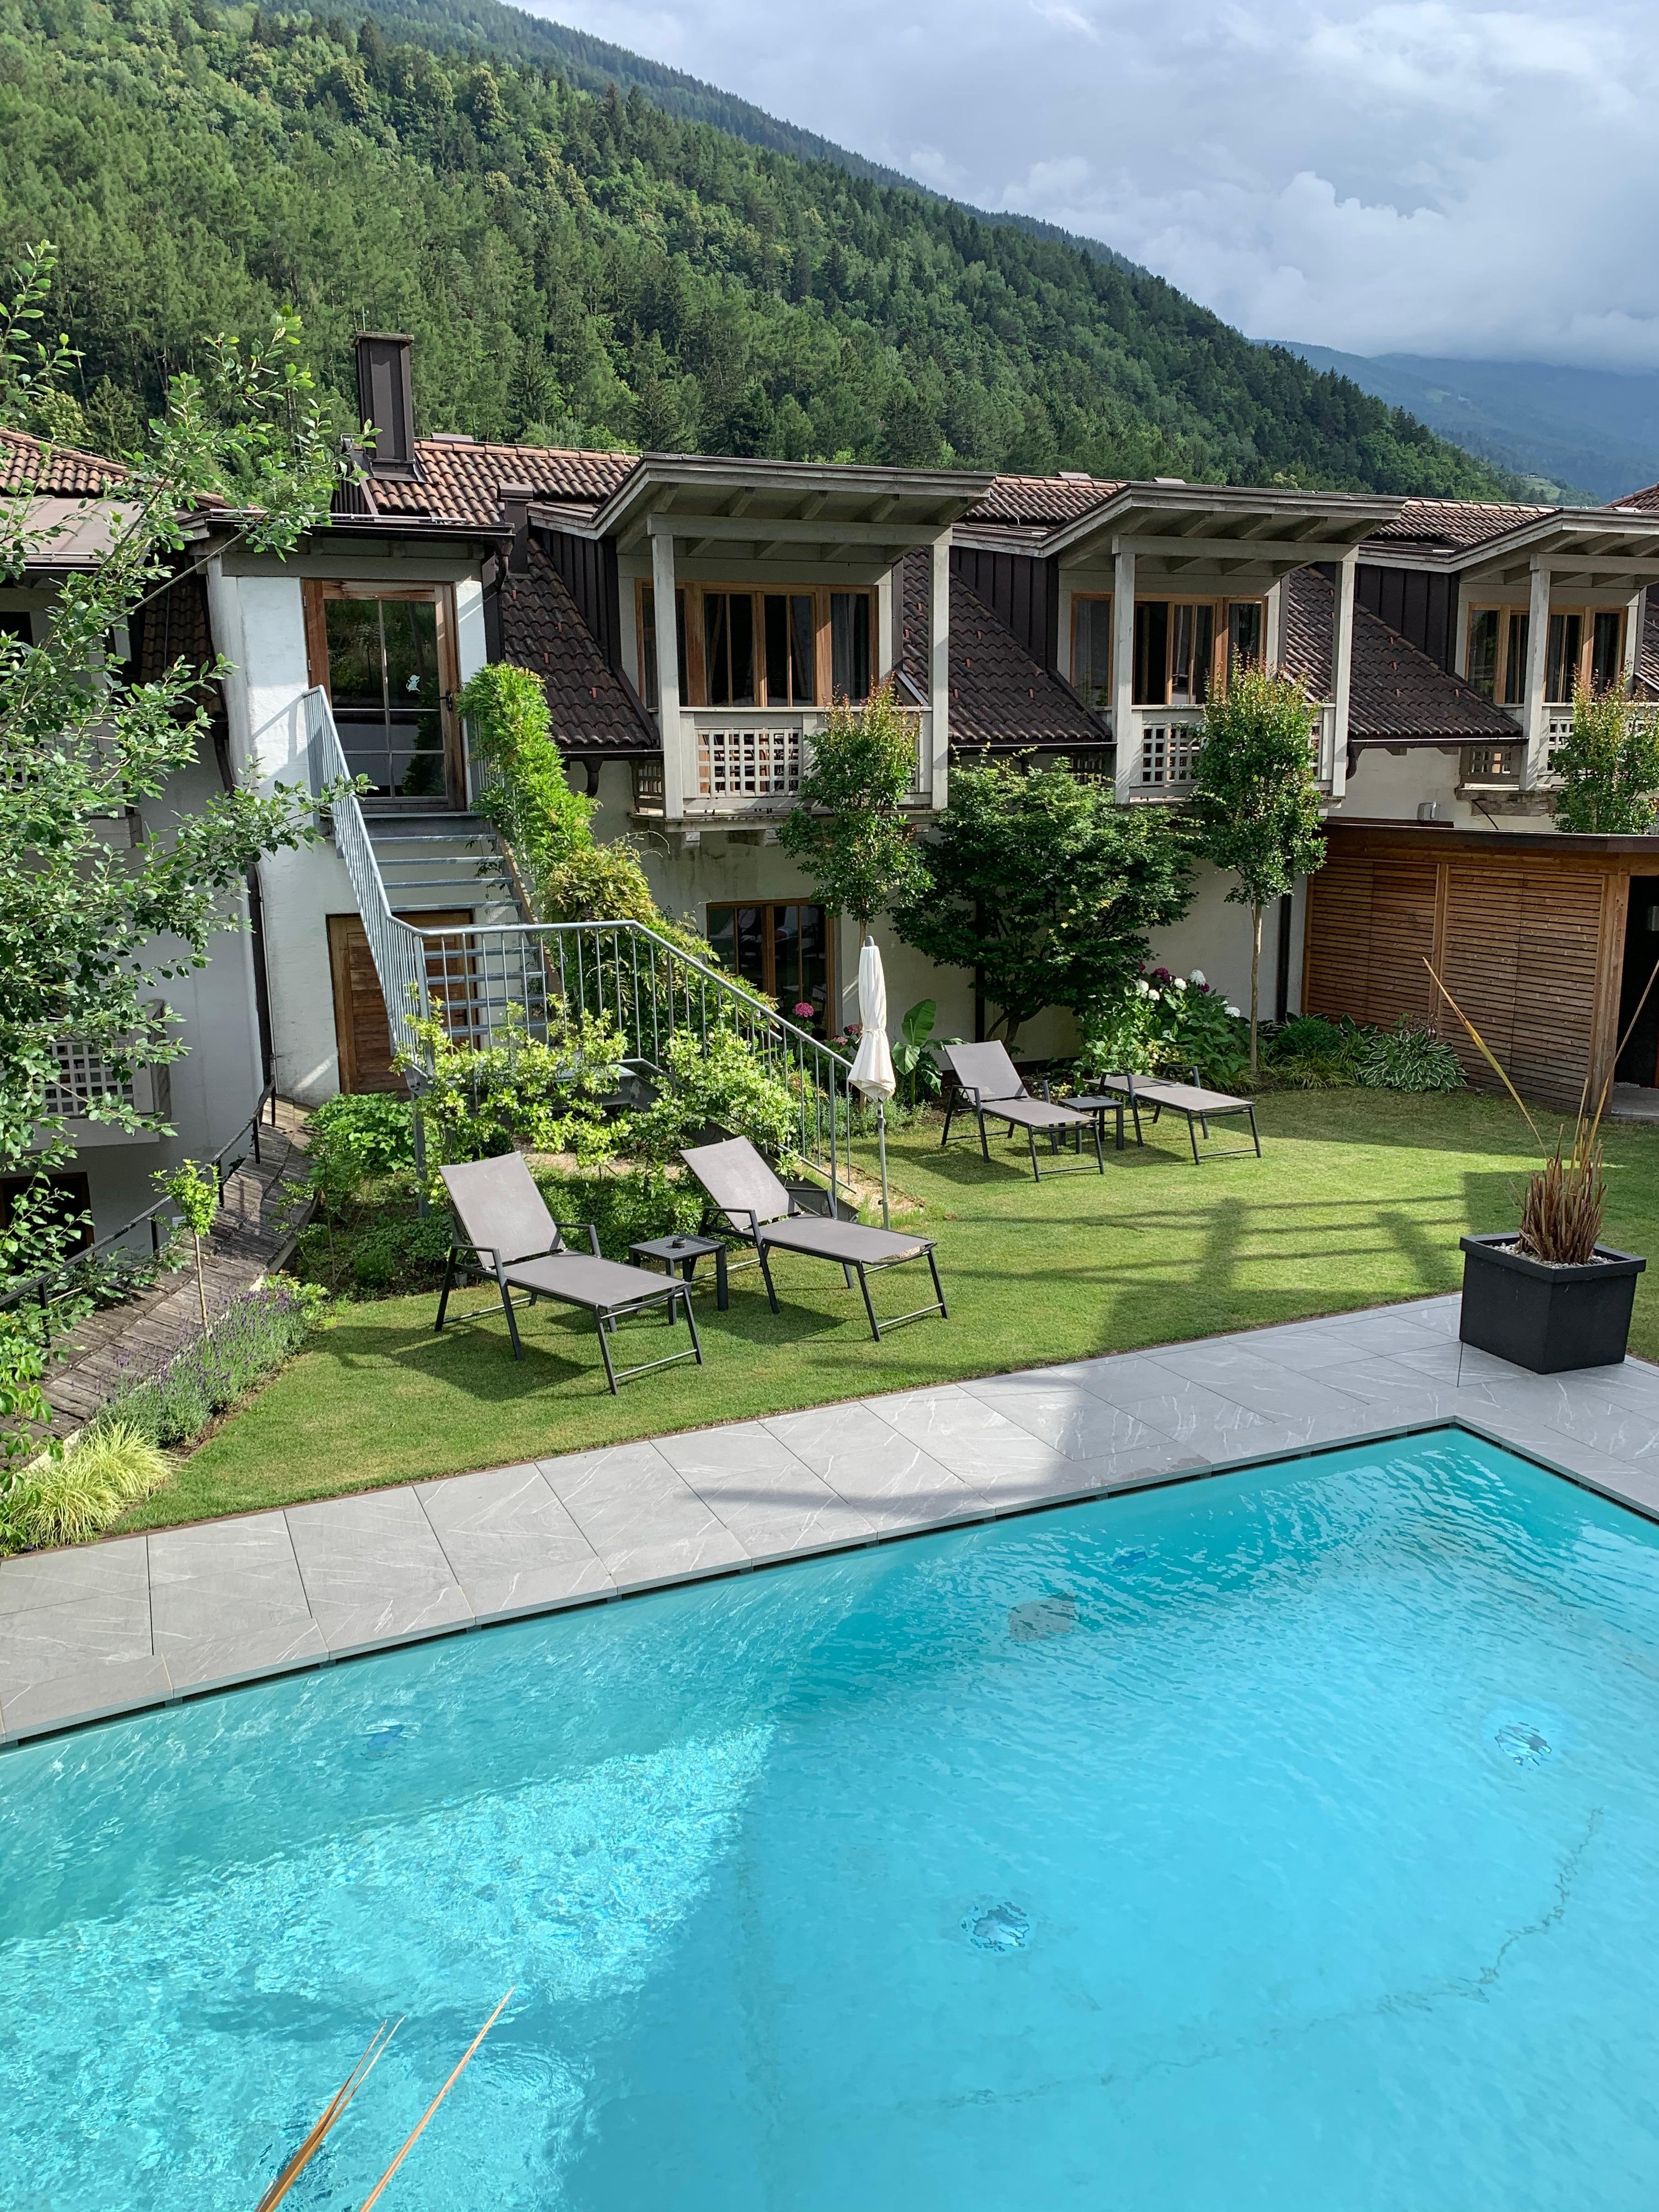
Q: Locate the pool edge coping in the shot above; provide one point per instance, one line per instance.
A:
(587, 1602)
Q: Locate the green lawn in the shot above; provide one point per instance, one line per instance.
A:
(1360, 1198)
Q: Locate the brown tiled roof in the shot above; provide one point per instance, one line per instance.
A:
(1042, 499)
(1394, 692)
(462, 482)
(28, 464)
(173, 626)
(1458, 522)
(999, 695)
(1646, 500)
(593, 710)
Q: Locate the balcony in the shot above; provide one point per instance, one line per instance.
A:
(1166, 741)
(748, 762)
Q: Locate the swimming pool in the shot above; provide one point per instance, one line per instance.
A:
(1284, 1839)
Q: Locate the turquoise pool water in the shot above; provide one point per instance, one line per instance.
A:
(1286, 1839)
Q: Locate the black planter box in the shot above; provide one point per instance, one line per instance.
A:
(1546, 1319)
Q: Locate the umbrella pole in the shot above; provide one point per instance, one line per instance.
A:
(881, 1140)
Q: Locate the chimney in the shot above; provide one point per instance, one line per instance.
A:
(385, 398)
(516, 499)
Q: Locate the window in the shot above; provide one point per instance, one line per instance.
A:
(753, 649)
(781, 949)
(384, 657)
(1091, 650)
(1183, 649)
(1585, 647)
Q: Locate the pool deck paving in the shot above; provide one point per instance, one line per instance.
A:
(141, 1621)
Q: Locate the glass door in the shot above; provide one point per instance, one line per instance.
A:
(385, 668)
(782, 949)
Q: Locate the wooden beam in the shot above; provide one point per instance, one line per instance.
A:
(1298, 552)
(791, 530)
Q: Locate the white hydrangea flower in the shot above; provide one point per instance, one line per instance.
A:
(1233, 1011)
(1197, 976)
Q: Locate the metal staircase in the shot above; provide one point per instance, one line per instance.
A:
(505, 967)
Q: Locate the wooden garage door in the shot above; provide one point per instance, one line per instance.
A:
(361, 1030)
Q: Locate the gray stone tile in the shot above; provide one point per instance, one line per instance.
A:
(1377, 1381)
(98, 1640)
(228, 1604)
(646, 1523)
(770, 1500)
(1277, 1394)
(512, 1546)
(891, 1481)
(992, 1455)
(1192, 1413)
(90, 1693)
(87, 1572)
(1309, 1350)
(374, 1571)
(1071, 1419)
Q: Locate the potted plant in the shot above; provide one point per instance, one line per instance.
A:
(1550, 1296)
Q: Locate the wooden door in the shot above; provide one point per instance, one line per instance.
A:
(361, 1031)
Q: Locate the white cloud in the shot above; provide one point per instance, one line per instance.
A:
(1381, 175)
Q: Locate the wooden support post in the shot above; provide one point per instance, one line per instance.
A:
(678, 771)
(938, 667)
(1342, 669)
(1125, 735)
(1537, 724)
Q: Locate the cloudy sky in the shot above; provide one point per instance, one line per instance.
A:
(1409, 176)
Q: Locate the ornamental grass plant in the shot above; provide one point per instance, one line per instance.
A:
(72, 1496)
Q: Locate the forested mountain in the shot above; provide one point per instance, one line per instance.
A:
(593, 270)
(591, 63)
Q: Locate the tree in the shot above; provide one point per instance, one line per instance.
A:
(1047, 886)
(1257, 806)
(1609, 768)
(850, 831)
(89, 929)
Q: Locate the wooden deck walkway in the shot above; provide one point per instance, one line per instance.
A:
(252, 1234)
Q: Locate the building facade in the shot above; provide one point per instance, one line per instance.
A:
(692, 618)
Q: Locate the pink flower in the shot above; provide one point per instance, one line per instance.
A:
(805, 1011)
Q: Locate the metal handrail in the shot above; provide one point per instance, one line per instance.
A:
(52, 1284)
(487, 975)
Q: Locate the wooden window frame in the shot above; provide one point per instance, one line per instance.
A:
(318, 591)
(1508, 613)
(697, 673)
(768, 941)
(1218, 602)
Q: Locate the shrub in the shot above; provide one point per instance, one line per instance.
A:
(357, 1138)
(1166, 1025)
(72, 1496)
(1407, 1060)
(550, 1095)
(719, 1079)
(1608, 767)
(1308, 1053)
(251, 1340)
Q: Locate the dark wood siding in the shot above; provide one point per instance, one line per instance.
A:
(587, 567)
(1423, 608)
(1022, 591)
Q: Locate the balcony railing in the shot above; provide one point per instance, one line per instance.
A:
(751, 760)
(1168, 740)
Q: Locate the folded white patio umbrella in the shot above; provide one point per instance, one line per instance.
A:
(873, 1064)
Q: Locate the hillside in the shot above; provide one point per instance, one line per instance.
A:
(591, 64)
(592, 270)
(1575, 434)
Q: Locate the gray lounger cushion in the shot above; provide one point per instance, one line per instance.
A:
(581, 1280)
(842, 1240)
(987, 1069)
(1183, 1097)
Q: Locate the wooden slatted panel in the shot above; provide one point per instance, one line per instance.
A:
(1402, 939)
(1338, 938)
(1484, 910)
(1555, 1011)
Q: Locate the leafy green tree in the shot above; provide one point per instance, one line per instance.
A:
(90, 929)
(1047, 887)
(1608, 767)
(194, 1189)
(850, 831)
(1256, 807)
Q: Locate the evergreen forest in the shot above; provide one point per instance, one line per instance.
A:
(579, 266)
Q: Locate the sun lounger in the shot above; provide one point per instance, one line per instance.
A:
(744, 1194)
(1201, 1107)
(988, 1080)
(508, 1236)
